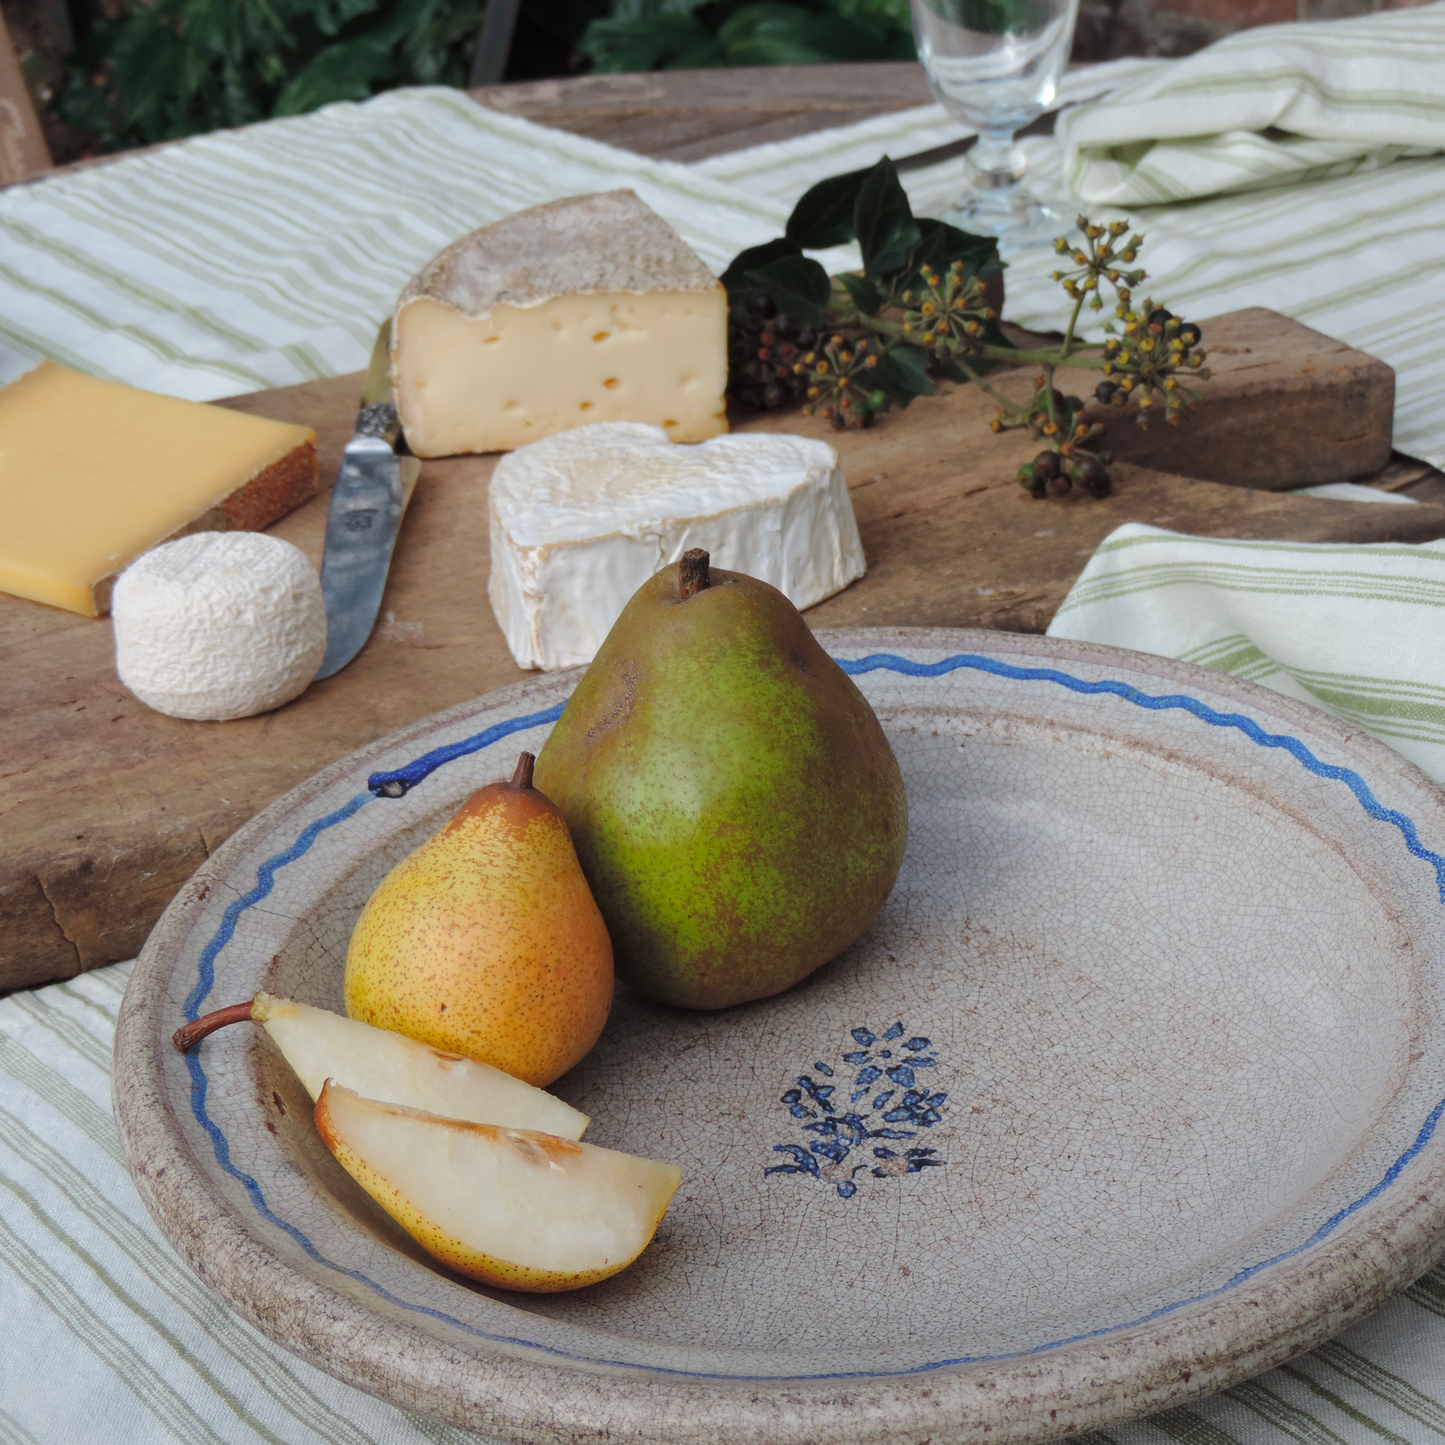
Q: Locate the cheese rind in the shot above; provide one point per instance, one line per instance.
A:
(92, 473)
(579, 521)
(584, 310)
(219, 625)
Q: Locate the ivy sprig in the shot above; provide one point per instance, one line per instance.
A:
(925, 306)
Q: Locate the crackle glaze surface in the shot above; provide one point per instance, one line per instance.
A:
(1130, 1091)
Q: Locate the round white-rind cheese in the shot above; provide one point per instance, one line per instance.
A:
(580, 520)
(218, 625)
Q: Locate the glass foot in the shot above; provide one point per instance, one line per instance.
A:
(1013, 215)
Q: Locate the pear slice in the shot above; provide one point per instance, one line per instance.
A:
(509, 1207)
(380, 1064)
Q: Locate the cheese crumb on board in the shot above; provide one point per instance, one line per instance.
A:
(591, 309)
(92, 473)
(581, 520)
(219, 625)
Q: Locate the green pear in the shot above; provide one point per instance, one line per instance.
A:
(735, 805)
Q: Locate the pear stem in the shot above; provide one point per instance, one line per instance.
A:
(692, 575)
(189, 1035)
(522, 778)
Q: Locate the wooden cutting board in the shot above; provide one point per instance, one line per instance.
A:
(108, 807)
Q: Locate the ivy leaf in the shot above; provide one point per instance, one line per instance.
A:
(866, 296)
(757, 258)
(799, 285)
(940, 245)
(883, 221)
(824, 215)
(903, 374)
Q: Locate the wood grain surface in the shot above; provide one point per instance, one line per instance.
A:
(108, 807)
(687, 115)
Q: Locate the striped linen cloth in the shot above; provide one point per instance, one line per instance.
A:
(106, 1337)
(262, 257)
(1356, 630)
(1264, 108)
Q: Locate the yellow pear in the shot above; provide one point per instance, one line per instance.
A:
(486, 941)
(509, 1207)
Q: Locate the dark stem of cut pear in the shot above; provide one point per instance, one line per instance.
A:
(189, 1035)
(522, 778)
(692, 575)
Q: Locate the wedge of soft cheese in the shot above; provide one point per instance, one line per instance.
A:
(581, 520)
(584, 310)
(93, 473)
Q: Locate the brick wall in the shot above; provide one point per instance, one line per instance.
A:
(1110, 28)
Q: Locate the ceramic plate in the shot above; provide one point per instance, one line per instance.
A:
(1130, 1092)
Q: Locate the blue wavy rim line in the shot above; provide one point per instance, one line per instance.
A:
(422, 767)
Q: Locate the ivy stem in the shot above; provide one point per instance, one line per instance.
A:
(984, 387)
(1041, 356)
(1068, 346)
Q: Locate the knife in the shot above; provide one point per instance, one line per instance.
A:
(372, 490)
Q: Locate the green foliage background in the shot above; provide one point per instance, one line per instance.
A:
(171, 68)
(682, 34)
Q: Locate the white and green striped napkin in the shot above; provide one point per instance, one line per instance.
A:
(106, 1336)
(1264, 108)
(1356, 630)
(266, 256)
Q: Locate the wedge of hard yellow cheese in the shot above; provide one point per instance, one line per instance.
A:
(93, 473)
(583, 310)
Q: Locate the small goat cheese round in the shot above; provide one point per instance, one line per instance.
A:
(218, 625)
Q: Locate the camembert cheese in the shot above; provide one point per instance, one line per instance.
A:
(585, 310)
(581, 520)
(93, 473)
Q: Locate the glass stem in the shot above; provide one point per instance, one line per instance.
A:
(994, 161)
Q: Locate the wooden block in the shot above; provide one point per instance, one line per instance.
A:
(110, 806)
(1285, 407)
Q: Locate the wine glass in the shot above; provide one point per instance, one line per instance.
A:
(994, 65)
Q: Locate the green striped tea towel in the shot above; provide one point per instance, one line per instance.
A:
(268, 255)
(107, 1337)
(1356, 630)
(1263, 108)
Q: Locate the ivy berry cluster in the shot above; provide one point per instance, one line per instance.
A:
(925, 307)
(1157, 348)
(947, 315)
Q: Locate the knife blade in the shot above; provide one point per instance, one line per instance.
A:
(367, 505)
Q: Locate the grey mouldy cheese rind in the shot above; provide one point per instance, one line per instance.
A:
(591, 309)
(568, 245)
